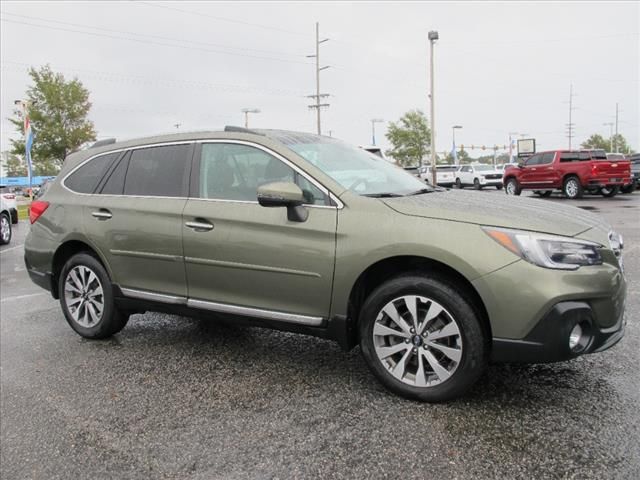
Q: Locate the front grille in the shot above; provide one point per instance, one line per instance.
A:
(492, 176)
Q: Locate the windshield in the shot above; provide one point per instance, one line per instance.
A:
(482, 168)
(354, 168)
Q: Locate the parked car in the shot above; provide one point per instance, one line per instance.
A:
(635, 174)
(571, 171)
(478, 177)
(415, 171)
(266, 228)
(445, 174)
(5, 221)
(9, 199)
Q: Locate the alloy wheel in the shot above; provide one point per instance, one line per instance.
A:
(511, 187)
(571, 188)
(5, 229)
(417, 340)
(84, 296)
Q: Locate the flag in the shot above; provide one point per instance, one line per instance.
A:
(28, 135)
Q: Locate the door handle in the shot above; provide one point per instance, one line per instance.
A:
(102, 214)
(199, 226)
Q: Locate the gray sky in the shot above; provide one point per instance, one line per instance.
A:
(500, 67)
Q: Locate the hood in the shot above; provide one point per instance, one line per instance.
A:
(500, 211)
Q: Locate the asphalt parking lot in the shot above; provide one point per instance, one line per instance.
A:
(171, 397)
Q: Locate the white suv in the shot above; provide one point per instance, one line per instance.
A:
(5, 221)
(478, 176)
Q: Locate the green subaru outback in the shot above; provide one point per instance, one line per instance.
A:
(305, 233)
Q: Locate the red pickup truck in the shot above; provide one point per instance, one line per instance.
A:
(571, 171)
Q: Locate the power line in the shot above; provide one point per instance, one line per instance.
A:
(150, 42)
(94, 27)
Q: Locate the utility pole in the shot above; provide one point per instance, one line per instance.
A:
(610, 125)
(570, 125)
(433, 36)
(318, 95)
(246, 112)
(616, 137)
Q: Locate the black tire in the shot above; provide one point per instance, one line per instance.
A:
(512, 187)
(544, 193)
(112, 320)
(572, 188)
(498, 187)
(609, 192)
(458, 183)
(628, 188)
(5, 228)
(474, 356)
(476, 184)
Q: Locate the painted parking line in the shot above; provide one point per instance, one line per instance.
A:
(11, 248)
(21, 297)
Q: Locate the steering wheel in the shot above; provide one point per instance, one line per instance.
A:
(358, 182)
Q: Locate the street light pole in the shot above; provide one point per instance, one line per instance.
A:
(610, 124)
(373, 129)
(246, 112)
(455, 155)
(433, 36)
(511, 134)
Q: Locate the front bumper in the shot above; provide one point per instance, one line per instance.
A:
(549, 340)
(490, 182)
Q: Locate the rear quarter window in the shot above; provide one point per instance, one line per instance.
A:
(85, 179)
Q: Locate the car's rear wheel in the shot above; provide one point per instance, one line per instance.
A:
(458, 183)
(628, 188)
(422, 339)
(572, 188)
(87, 299)
(5, 228)
(512, 187)
(609, 191)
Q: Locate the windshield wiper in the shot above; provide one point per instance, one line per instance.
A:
(382, 195)
(421, 191)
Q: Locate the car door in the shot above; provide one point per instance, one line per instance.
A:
(135, 221)
(545, 173)
(466, 175)
(243, 258)
(529, 170)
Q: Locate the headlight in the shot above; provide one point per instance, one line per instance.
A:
(548, 251)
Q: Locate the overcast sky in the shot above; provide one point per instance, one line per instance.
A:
(500, 67)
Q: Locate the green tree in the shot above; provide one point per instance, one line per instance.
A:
(616, 142)
(410, 138)
(13, 165)
(58, 110)
(463, 157)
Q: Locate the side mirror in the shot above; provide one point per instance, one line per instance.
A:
(284, 194)
(520, 164)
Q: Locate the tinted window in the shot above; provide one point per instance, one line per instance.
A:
(234, 172)
(86, 178)
(569, 157)
(535, 160)
(547, 158)
(115, 183)
(158, 171)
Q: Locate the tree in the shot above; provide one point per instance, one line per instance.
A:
(58, 111)
(13, 165)
(463, 157)
(616, 142)
(410, 138)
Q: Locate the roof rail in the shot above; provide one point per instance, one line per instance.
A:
(231, 128)
(102, 143)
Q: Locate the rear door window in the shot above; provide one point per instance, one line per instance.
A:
(161, 171)
(85, 179)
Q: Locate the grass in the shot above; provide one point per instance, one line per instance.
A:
(23, 211)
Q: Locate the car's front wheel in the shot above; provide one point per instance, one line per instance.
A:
(628, 188)
(87, 299)
(5, 228)
(458, 183)
(476, 184)
(422, 339)
(512, 187)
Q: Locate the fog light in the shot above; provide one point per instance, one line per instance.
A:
(574, 337)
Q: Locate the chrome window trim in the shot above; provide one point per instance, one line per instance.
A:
(118, 150)
(284, 160)
(224, 307)
(321, 187)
